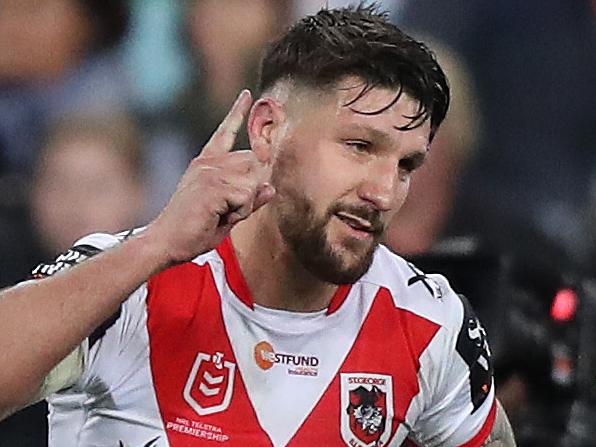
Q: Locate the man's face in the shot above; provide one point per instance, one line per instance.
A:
(341, 174)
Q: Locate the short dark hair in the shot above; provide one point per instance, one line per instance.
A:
(360, 40)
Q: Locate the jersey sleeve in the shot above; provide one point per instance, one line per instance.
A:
(117, 346)
(81, 250)
(77, 369)
(462, 408)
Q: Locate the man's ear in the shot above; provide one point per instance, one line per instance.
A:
(265, 119)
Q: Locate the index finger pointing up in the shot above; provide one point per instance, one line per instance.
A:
(223, 138)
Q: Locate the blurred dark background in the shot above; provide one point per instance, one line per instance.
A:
(104, 102)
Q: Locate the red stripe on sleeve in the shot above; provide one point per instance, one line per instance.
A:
(482, 435)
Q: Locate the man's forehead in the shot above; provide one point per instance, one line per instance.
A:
(349, 100)
(360, 97)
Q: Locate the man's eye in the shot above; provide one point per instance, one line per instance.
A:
(407, 165)
(358, 145)
(410, 165)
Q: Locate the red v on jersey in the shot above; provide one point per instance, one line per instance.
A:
(185, 321)
(380, 350)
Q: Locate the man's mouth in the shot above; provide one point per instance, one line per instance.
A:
(356, 222)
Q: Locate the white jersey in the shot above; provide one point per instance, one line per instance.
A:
(190, 360)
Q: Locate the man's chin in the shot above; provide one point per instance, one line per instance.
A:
(336, 269)
(328, 251)
(344, 277)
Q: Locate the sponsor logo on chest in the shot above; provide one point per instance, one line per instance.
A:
(296, 364)
(366, 409)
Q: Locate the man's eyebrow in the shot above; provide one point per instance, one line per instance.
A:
(382, 136)
(417, 156)
(423, 150)
(371, 132)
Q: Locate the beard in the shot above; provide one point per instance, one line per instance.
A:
(307, 236)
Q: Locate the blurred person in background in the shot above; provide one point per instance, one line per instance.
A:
(533, 64)
(56, 57)
(89, 174)
(225, 40)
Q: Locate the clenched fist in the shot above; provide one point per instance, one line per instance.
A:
(220, 188)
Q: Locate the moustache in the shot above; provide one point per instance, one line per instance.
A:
(366, 212)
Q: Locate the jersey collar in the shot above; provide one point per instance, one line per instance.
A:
(239, 286)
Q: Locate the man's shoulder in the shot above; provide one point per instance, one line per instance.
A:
(189, 280)
(103, 241)
(83, 249)
(428, 295)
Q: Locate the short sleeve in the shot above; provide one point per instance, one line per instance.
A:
(462, 409)
(82, 250)
(116, 346)
(77, 368)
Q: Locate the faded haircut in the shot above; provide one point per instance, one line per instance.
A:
(321, 49)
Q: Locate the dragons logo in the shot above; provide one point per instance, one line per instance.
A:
(367, 403)
(366, 411)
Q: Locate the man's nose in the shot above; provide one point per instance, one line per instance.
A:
(381, 186)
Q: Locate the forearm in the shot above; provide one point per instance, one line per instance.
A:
(43, 321)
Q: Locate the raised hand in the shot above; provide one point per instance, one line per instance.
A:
(220, 188)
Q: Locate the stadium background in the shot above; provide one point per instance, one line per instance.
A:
(103, 102)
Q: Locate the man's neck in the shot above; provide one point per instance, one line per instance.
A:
(275, 277)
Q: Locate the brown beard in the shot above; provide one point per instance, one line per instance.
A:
(306, 235)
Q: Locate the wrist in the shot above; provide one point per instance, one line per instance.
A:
(152, 250)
